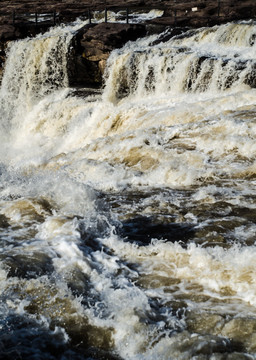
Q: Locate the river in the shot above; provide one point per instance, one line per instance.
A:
(128, 216)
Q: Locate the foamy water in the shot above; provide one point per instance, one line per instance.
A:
(128, 217)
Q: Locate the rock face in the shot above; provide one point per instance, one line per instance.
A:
(92, 47)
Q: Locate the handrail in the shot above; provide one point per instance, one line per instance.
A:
(176, 10)
(35, 17)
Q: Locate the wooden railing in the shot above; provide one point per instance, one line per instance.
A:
(176, 10)
(51, 18)
(54, 17)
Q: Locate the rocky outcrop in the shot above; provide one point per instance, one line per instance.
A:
(92, 47)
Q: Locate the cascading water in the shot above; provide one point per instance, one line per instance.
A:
(202, 61)
(128, 218)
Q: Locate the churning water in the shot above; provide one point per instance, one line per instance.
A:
(128, 218)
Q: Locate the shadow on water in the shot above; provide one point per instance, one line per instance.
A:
(143, 229)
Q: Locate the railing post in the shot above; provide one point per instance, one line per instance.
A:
(175, 17)
(127, 15)
(106, 15)
(89, 16)
(13, 16)
(36, 17)
(54, 17)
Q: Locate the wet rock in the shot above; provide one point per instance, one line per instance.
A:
(3, 221)
(170, 33)
(203, 323)
(243, 330)
(93, 45)
(27, 266)
(25, 338)
(142, 230)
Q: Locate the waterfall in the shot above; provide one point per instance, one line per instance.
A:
(34, 68)
(127, 217)
(213, 60)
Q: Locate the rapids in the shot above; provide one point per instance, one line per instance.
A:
(128, 217)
